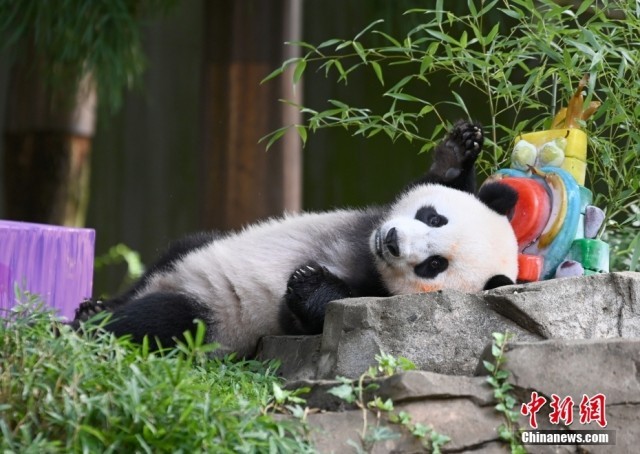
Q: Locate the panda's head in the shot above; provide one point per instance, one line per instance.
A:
(435, 237)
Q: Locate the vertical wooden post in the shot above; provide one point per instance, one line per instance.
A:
(47, 147)
(244, 42)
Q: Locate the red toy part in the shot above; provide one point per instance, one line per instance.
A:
(532, 211)
(529, 267)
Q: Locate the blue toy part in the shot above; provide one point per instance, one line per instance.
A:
(557, 250)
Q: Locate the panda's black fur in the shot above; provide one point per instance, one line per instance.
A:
(276, 277)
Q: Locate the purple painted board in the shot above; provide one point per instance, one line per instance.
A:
(51, 261)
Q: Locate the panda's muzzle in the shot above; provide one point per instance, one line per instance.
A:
(388, 242)
(391, 242)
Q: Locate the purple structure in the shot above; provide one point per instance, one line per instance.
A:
(53, 262)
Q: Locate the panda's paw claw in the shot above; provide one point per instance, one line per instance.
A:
(305, 272)
(87, 309)
(306, 280)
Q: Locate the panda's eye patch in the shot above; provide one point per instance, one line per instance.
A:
(432, 266)
(430, 216)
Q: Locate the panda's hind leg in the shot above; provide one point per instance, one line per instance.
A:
(309, 289)
(162, 316)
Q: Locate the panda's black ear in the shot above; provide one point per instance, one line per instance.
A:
(498, 281)
(499, 197)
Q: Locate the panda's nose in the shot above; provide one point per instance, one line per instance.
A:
(391, 242)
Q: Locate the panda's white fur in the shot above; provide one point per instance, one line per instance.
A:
(277, 276)
(242, 278)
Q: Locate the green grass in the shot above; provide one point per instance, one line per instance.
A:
(63, 392)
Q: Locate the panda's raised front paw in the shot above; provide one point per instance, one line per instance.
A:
(465, 142)
(455, 157)
(88, 309)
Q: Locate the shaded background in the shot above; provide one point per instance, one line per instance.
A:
(181, 155)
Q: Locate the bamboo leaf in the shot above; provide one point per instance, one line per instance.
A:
(492, 34)
(389, 38)
(297, 73)
(301, 44)
(442, 37)
(343, 45)
(584, 5)
(378, 70)
(425, 110)
(460, 102)
(359, 50)
(272, 75)
(368, 27)
(328, 43)
(404, 97)
(302, 132)
(274, 136)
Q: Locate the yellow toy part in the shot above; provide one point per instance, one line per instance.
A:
(575, 148)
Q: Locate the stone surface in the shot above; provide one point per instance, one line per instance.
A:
(459, 407)
(299, 355)
(405, 387)
(585, 307)
(463, 407)
(445, 332)
(442, 332)
(471, 428)
(413, 385)
(583, 338)
(577, 367)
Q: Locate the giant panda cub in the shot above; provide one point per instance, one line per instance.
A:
(277, 277)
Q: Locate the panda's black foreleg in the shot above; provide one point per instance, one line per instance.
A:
(309, 289)
(454, 158)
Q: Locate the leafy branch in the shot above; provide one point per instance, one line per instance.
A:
(515, 60)
(508, 431)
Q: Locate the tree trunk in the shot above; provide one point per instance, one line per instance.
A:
(244, 42)
(47, 147)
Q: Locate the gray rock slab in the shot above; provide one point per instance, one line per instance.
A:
(403, 387)
(456, 406)
(445, 332)
(471, 428)
(585, 307)
(577, 367)
(442, 332)
(421, 385)
(298, 355)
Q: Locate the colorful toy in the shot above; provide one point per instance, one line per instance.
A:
(554, 221)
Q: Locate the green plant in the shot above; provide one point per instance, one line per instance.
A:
(63, 392)
(356, 392)
(73, 38)
(508, 431)
(513, 61)
(121, 253)
(431, 440)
